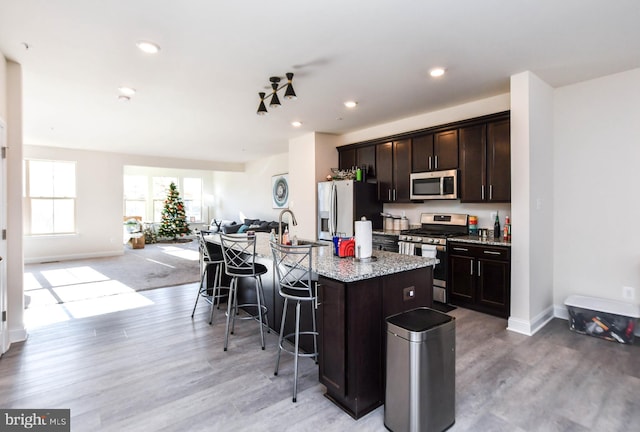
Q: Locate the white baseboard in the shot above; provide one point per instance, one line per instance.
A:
(45, 259)
(18, 335)
(530, 328)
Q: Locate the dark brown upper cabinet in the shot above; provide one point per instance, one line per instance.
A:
(363, 157)
(485, 162)
(435, 152)
(393, 168)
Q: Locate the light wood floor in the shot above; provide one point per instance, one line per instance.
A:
(154, 368)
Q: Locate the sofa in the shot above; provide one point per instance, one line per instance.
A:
(232, 227)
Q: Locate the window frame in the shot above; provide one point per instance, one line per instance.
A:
(28, 199)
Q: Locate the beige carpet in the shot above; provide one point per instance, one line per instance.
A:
(154, 266)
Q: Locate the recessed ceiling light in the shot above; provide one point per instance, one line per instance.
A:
(127, 91)
(148, 47)
(437, 72)
(350, 104)
(296, 124)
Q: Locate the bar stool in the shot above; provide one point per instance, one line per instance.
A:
(239, 252)
(210, 259)
(293, 267)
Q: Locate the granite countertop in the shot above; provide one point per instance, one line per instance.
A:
(326, 264)
(489, 241)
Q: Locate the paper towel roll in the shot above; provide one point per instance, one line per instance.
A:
(364, 239)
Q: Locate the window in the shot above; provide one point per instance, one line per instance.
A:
(160, 191)
(135, 195)
(50, 192)
(193, 198)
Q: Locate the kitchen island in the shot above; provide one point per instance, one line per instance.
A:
(354, 298)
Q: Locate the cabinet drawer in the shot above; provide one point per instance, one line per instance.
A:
(476, 251)
(496, 253)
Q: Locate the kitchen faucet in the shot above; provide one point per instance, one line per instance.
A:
(293, 221)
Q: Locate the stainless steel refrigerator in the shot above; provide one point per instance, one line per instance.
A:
(341, 202)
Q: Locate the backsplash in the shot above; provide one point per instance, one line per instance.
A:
(483, 211)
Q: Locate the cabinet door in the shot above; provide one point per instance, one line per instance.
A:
(445, 150)
(346, 159)
(499, 161)
(462, 279)
(332, 339)
(422, 153)
(401, 171)
(472, 163)
(366, 156)
(384, 171)
(494, 286)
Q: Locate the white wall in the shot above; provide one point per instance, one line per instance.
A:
(99, 202)
(531, 202)
(15, 262)
(597, 179)
(249, 192)
(466, 111)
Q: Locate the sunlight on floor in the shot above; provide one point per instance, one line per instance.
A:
(75, 292)
(191, 255)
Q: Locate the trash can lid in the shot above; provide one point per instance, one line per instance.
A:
(419, 320)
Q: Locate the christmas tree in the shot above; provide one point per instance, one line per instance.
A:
(174, 219)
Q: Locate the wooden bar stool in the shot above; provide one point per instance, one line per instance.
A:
(293, 267)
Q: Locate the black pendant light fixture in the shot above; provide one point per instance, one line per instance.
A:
(289, 93)
(262, 109)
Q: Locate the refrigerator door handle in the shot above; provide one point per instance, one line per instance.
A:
(333, 213)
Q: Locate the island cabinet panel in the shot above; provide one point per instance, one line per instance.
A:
(352, 329)
(332, 359)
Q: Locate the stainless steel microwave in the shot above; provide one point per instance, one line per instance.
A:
(434, 185)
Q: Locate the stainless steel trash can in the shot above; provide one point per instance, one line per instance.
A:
(420, 379)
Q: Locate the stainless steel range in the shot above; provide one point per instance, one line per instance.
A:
(431, 240)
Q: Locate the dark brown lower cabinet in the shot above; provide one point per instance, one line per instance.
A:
(480, 277)
(351, 323)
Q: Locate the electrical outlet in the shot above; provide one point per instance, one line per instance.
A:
(628, 293)
(493, 216)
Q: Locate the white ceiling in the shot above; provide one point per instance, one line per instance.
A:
(197, 98)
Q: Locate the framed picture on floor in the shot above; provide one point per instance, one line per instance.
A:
(280, 190)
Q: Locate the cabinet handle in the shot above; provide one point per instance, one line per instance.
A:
(389, 194)
(436, 161)
(490, 192)
(471, 262)
(318, 295)
(491, 252)
(394, 194)
(478, 268)
(482, 188)
(461, 249)
(429, 162)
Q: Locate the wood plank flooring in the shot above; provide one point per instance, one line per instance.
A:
(155, 368)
